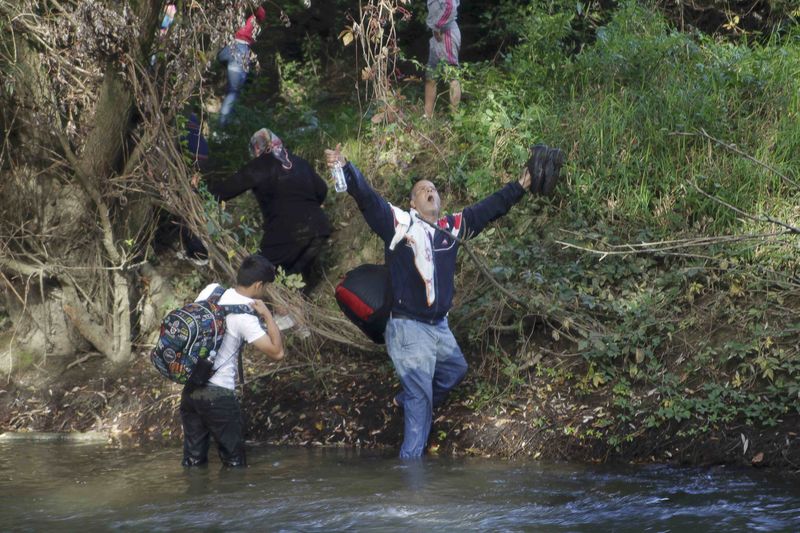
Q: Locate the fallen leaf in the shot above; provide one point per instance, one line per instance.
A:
(346, 36)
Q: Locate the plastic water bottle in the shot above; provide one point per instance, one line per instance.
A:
(339, 182)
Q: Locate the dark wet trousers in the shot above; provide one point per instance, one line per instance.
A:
(192, 245)
(172, 228)
(211, 411)
(297, 258)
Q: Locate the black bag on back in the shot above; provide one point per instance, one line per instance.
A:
(365, 297)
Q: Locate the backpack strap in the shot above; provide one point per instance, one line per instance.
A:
(240, 364)
(216, 294)
(238, 309)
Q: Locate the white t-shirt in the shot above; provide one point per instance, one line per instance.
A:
(238, 327)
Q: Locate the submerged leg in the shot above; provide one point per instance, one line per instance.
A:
(224, 419)
(412, 351)
(195, 434)
(451, 367)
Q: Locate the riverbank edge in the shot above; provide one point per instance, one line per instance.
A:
(348, 404)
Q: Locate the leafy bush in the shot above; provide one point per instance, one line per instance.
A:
(690, 336)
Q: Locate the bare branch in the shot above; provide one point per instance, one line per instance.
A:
(22, 268)
(733, 148)
(669, 246)
(759, 218)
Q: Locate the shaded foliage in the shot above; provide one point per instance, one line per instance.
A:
(645, 292)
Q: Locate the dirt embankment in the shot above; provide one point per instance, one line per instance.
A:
(337, 401)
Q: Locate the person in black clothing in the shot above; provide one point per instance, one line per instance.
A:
(289, 193)
(171, 227)
(195, 146)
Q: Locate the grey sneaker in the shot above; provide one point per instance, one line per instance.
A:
(196, 261)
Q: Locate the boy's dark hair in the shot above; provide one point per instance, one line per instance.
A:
(255, 268)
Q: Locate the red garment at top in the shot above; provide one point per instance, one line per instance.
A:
(250, 30)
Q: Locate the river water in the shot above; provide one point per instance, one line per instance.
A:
(60, 486)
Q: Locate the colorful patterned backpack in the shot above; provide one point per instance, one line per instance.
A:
(190, 337)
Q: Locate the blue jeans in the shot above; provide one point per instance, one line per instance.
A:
(429, 364)
(237, 57)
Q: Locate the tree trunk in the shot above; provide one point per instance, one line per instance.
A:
(83, 262)
(93, 130)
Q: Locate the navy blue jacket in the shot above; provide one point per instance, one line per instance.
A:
(407, 285)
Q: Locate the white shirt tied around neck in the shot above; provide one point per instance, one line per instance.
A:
(420, 238)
